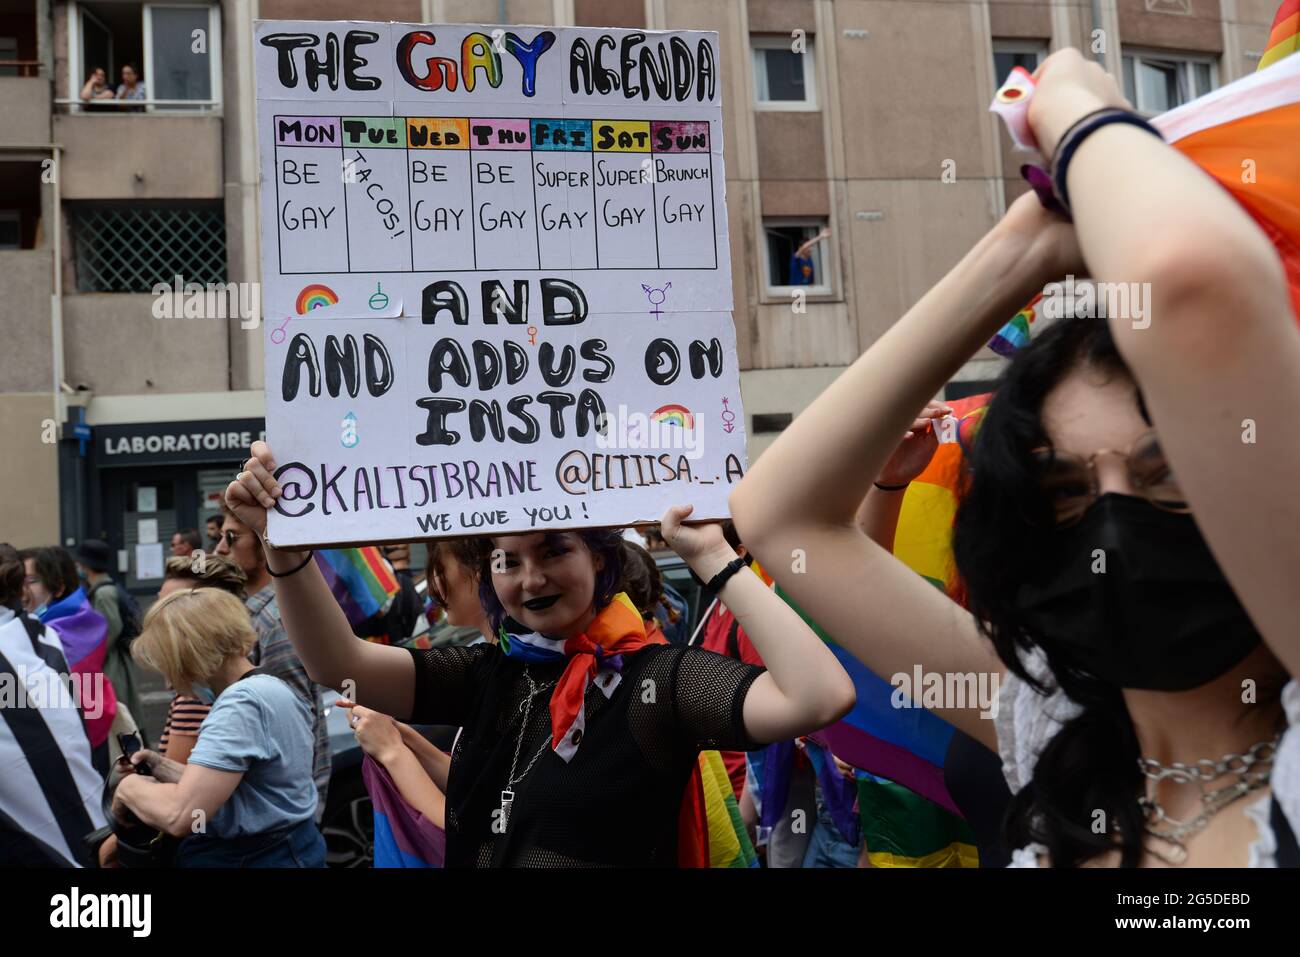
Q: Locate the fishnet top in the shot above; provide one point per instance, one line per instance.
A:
(616, 802)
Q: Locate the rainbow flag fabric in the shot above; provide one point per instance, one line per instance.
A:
(907, 745)
(1284, 39)
(710, 831)
(360, 580)
(1244, 135)
(902, 829)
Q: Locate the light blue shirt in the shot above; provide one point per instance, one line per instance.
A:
(261, 727)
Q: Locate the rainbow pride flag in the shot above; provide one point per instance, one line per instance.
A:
(360, 580)
(906, 745)
(1285, 36)
(1244, 135)
(710, 831)
(902, 829)
(923, 540)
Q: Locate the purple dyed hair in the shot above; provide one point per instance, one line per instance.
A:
(603, 542)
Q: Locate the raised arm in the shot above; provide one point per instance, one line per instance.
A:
(805, 688)
(382, 677)
(879, 512)
(1218, 354)
(802, 495)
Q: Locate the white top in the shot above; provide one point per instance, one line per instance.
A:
(1026, 721)
(21, 796)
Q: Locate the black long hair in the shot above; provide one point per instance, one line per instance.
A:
(1001, 530)
(603, 543)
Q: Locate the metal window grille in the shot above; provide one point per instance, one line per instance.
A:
(132, 248)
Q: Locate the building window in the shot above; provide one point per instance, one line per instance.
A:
(11, 233)
(172, 47)
(1158, 81)
(783, 77)
(1008, 54)
(797, 254)
(132, 247)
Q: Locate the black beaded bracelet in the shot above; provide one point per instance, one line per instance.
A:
(891, 488)
(717, 581)
(1084, 127)
(297, 568)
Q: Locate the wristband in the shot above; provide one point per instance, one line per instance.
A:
(717, 581)
(297, 568)
(1084, 127)
(891, 488)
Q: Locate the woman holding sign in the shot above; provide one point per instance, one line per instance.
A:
(1126, 539)
(580, 732)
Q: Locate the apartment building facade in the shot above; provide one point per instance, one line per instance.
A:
(864, 118)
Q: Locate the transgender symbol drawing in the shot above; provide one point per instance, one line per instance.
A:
(728, 417)
(661, 294)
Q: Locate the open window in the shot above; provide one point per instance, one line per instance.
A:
(20, 204)
(1156, 81)
(173, 48)
(797, 255)
(1009, 54)
(18, 44)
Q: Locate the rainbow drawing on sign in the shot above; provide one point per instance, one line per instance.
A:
(674, 415)
(315, 296)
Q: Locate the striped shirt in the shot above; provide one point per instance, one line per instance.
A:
(49, 791)
(184, 716)
(275, 653)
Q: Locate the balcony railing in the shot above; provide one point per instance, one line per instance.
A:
(27, 68)
(138, 106)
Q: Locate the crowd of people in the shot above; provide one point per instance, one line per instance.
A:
(1125, 561)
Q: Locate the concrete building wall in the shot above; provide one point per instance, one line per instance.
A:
(29, 471)
(140, 156)
(24, 111)
(115, 346)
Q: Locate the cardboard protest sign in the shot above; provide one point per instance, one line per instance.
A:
(497, 278)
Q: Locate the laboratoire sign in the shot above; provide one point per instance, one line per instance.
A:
(497, 278)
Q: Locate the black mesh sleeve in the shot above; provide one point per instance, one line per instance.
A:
(447, 681)
(709, 699)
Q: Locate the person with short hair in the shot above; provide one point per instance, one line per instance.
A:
(52, 593)
(185, 542)
(273, 650)
(213, 526)
(248, 778)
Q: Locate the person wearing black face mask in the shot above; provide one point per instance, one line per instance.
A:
(1144, 641)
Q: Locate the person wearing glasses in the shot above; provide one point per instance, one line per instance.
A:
(1126, 536)
(273, 652)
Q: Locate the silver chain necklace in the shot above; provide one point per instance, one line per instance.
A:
(1252, 771)
(526, 707)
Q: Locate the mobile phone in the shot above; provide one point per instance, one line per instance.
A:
(130, 744)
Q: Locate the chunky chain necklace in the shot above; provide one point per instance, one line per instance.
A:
(1251, 771)
(526, 709)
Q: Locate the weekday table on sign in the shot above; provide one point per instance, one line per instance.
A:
(432, 194)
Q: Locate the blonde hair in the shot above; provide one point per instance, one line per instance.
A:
(189, 635)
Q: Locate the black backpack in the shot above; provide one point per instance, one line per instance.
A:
(128, 608)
